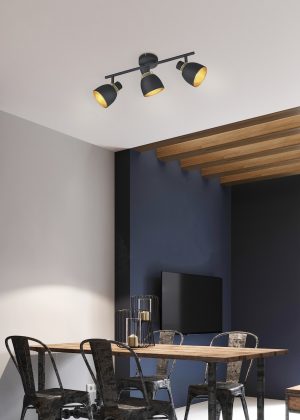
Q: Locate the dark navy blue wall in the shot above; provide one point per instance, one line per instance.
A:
(266, 273)
(178, 222)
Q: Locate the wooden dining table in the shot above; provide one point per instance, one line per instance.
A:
(210, 355)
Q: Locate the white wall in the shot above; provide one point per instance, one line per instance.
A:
(56, 246)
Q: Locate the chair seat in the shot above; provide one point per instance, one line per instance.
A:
(67, 396)
(234, 388)
(135, 408)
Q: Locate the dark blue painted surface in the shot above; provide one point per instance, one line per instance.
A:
(178, 222)
(266, 274)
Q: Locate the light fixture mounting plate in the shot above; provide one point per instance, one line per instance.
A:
(148, 60)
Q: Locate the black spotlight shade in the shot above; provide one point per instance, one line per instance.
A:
(151, 84)
(193, 73)
(106, 94)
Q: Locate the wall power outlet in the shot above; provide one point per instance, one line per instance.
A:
(91, 389)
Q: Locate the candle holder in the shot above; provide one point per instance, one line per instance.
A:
(146, 307)
(134, 326)
(133, 332)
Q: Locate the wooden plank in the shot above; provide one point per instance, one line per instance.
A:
(293, 390)
(261, 148)
(294, 403)
(250, 163)
(191, 147)
(287, 169)
(204, 353)
(221, 129)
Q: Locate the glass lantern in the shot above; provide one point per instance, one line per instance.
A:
(121, 316)
(146, 307)
(134, 326)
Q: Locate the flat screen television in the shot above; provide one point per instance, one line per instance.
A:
(191, 303)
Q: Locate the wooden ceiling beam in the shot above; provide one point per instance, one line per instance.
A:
(227, 135)
(261, 148)
(253, 163)
(220, 129)
(278, 171)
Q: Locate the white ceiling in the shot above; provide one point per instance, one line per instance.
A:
(54, 52)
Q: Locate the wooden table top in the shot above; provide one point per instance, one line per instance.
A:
(164, 351)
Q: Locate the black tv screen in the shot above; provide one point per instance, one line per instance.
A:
(191, 303)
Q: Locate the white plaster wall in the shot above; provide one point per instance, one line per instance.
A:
(56, 246)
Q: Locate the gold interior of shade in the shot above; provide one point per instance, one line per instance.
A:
(200, 76)
(154, 91)
(100, 99)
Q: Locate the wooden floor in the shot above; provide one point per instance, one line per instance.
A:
(274, 410)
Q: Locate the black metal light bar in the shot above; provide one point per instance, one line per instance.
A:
(192, 72)
(154, 64)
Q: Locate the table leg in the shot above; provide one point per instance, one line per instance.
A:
(41, 370)
(212, 400)
(260, 366)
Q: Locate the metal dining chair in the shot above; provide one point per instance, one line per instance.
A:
(48, 403)
(234, 383)
(164, 368)
(110, 406)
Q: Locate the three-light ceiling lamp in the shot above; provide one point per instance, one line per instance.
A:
(193, 73)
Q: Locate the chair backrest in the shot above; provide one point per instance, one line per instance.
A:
(165, 367)
(235, 339)
(104, 375)
(22, 360)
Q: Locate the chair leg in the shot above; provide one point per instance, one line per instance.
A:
(218, 411)
(89, 412)
(244, 404)
(188, 405)
(170, 414)
(151, 394)
(24, 409)
(171, 400)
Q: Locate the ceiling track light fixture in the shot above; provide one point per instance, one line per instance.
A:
(193, 73)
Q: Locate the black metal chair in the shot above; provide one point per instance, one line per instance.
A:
(110, 406)
(234, 384)
(164, 368)
(48, 403)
